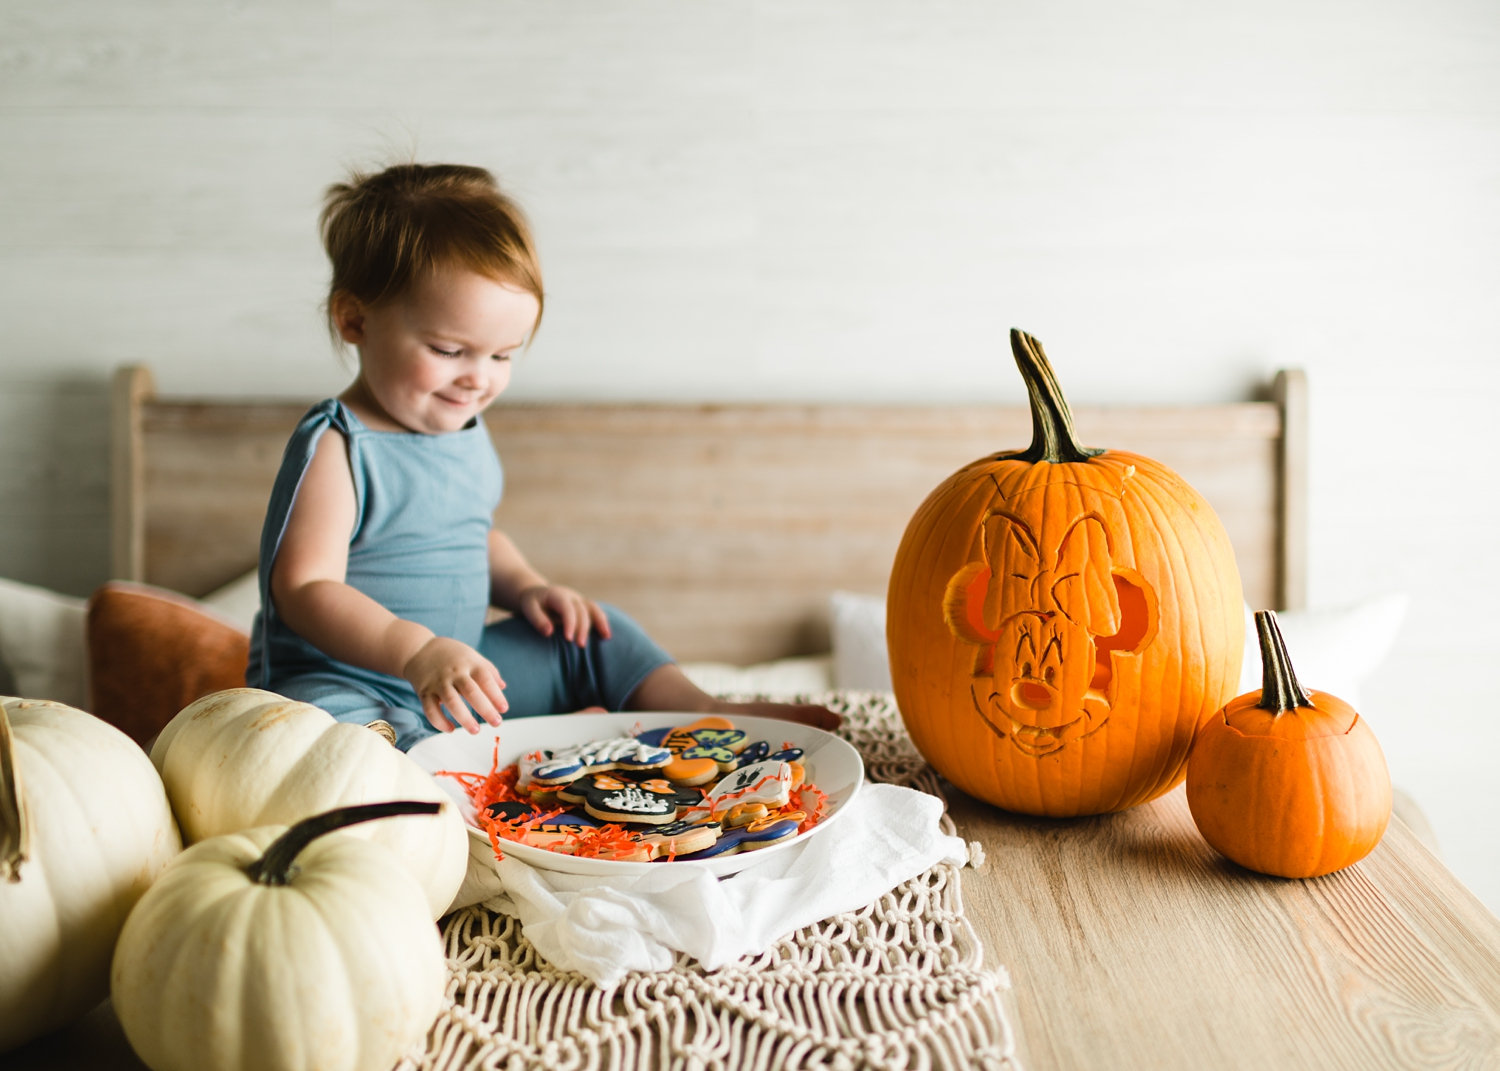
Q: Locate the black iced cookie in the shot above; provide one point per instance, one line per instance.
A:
(653, 801)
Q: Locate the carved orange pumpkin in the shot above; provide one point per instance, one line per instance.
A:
(1060, 620)
(1288, 782)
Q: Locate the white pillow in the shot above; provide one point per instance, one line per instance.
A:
(860, 660)
(238, 600)
(781, 679)
(42, 643)
(1332, 650)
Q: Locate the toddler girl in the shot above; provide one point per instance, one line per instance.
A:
(378, 560)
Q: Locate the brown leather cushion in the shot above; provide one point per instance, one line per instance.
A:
(152, 652)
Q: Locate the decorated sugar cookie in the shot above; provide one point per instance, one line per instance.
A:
(548, 769)
(516, 813)
(762, 833)
(760, 751)
(561, 831)
(700, 751)
(677, 839)
(615, 799)
(769, 783)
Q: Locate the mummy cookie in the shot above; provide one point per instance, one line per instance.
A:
(544, 770)
(700, 751)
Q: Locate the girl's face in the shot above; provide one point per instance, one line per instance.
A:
(434, 358)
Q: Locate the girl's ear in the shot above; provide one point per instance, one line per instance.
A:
(348, 316)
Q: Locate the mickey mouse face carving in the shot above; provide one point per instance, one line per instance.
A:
(1052, 618)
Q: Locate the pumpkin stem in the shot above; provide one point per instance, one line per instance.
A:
(275, 866)
(15, 824)
(1279, 690)
(1052, 437)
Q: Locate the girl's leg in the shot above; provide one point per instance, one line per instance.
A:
(628, 671)
(549, 675)
(347, 701)
(668, 688)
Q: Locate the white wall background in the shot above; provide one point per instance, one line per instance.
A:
(846, 199)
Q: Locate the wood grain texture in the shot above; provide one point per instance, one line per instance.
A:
(721, 528)
(1133, 945)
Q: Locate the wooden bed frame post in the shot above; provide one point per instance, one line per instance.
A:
(1289, 390)
(127, 486)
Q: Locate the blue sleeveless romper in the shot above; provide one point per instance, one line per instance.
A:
(420, 547)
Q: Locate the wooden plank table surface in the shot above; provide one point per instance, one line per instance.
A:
(1132, 944)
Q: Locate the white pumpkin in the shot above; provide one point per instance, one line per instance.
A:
(84, 829)
(244, 757)
(272, 948)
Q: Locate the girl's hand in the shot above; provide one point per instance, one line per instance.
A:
(449, 673)
(548, 606)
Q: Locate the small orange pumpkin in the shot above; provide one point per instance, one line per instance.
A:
(1288, 782)
(1060, 620)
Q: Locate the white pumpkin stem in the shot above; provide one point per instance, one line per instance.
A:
(1279, 690)
(275, 866)
(15, 823)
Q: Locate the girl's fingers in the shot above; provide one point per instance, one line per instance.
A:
(578, 622)
(493, 688)
(536, 613)
(600, 619)
(458, 711)
(434, 714)
(474, 694)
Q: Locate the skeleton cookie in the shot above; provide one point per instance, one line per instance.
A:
(614, 799)
(545, 770)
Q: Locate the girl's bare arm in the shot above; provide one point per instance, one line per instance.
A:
(310, 594)
(517, 587)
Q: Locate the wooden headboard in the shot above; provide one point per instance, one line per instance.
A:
(721, 528)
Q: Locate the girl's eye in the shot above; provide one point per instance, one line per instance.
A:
(444, 353)
(501, 356)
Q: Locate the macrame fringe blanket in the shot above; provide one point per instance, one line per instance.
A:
(898, 984)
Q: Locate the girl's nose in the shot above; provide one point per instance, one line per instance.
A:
(470, 374)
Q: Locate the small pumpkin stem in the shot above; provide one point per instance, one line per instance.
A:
(1052, 436)
(275, 866)
(15, 823)
(1279, 690)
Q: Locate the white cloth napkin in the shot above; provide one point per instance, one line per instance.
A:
(604, 928)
